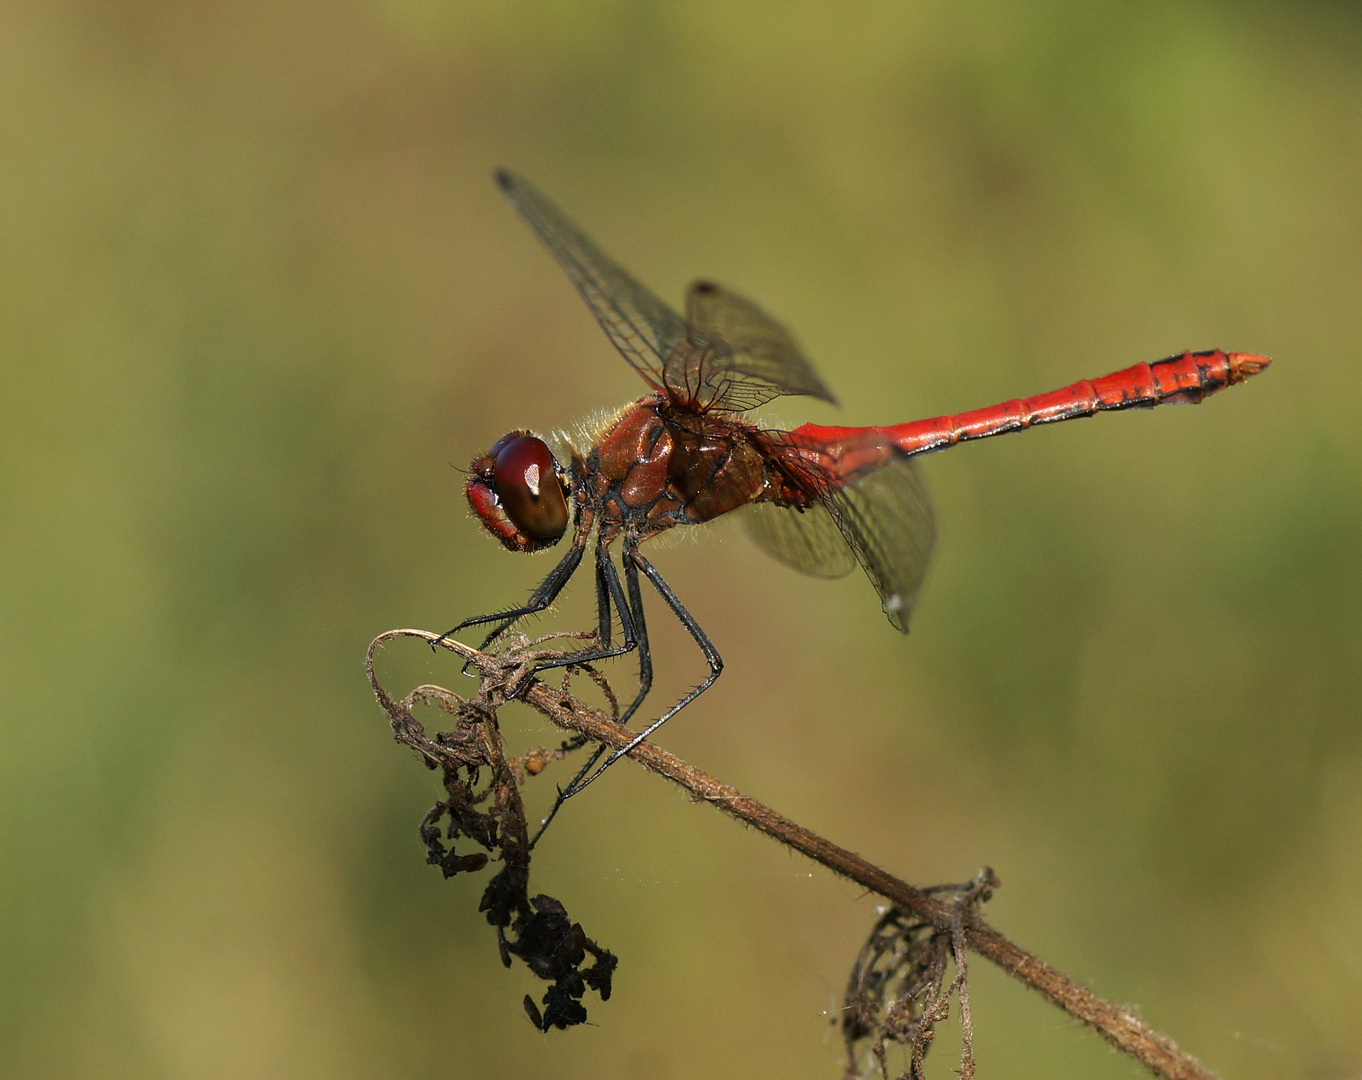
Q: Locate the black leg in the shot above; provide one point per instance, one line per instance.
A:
(565, 793)
(605, 624)
(712, 657)
(540, 599)
(645, 653)
(645, 683)
(609, 577)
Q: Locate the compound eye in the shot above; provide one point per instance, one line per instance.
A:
(527, 485)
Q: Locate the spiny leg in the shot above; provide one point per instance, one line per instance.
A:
(632, 558)
(544, 594)
(604, 590)
(632, 623)
(645, 652)
(605, 624)
(605, 576)
(645, 683)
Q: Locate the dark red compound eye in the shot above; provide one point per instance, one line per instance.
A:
(527, 485)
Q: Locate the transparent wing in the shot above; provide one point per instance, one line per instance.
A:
(807, 540)
(886, 518)
(738, 356)
(644, 329)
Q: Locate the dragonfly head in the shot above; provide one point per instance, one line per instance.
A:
(519, 492)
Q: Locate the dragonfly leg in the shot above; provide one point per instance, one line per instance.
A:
(566, 793)
(544, 594)
(645, 683)
(632, 622)
(605, 624)
(608, 591)
(633, 559)
(645, 652)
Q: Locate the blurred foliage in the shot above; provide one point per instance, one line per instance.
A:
(258, 295)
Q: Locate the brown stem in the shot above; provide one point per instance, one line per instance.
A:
(1120, 1027)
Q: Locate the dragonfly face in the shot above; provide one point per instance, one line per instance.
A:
(520, 492)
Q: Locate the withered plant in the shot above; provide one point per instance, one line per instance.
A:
(913, 964)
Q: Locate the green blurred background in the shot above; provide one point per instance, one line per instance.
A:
(258, 299)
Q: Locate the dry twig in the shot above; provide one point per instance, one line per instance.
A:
(955, 922)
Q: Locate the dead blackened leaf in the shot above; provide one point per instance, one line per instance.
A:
(897, 992)
(484, 806)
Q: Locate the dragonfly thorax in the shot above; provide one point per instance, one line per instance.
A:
(657, 467)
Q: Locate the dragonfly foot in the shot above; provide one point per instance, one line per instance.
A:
(443, 637)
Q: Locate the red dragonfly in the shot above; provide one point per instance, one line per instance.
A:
(820, 499)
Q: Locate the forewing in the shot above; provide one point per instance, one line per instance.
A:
(739, 357)
(807, 539)
(886, 519)
(641, 326)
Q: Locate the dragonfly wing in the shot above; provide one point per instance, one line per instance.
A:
(807, 539)
(739, 357)
(643, 328)
(886, 518)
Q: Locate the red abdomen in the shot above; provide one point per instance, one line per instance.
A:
(847, 453)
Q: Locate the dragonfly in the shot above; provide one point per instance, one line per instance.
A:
(820, 499)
